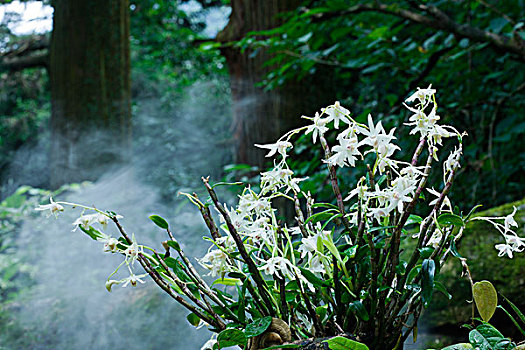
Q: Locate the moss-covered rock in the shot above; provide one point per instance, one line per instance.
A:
(477, 245)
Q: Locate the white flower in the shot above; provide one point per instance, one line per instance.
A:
(436, 238)
(275, 178)
(237, 218)
(345, 153)
(216, 261)
(446, 200)
(53, 208)
(510, 222)
(311, 244)
(85, 220)
(278, 265)
(516, 242)
(452, 162)
(315, 264)
(103, 219)
(251, 202)
(421, 94)
(279, 146)
(133, 279)
(132, 251)
(360, 189)
(337, 113)
(375, 135)
(318, 127)
(293, 184)
(110, 244)
(504, 249)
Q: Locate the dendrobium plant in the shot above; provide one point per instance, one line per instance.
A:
(337, 269)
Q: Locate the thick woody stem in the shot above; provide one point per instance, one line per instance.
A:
(335, 185)
(300, 216)
(337, 289)
(208, 219)
(427, 224)
(254, 271)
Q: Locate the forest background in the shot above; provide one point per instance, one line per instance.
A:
(116, 80)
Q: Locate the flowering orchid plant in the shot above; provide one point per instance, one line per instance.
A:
(340, 268)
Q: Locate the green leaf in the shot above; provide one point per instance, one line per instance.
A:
(160, 222)
(413, 219)
(359, 310)
(513, 320)
(91, 232)
(441, 287)
(193, 319)
(485, 336)
(312, 278)
(454, 250)
(486, 299)
(428, 269)
(413, 273)
(231, 337)
(425, 252)
(448, 219)
(227, 281)
(257, 327)
(341, 343)
(174, 244)
(323, 215)
(461, 346)
(515, 308)
(350, 252)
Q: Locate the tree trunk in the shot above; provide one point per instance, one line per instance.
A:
(90, 88)
(262, 116)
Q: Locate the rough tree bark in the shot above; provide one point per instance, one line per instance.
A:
(262, 116)
(90, 88)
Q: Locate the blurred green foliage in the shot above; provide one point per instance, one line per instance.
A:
(377, 59)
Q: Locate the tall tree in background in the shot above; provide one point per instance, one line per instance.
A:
(91, 92)
(262, 116)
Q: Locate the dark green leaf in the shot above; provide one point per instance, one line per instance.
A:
(448, 219)
(425, 252)
(359, 310)
(174, 244)
(231, 337)
(91, 232)
(454, 250)
(413, 219)
(159, 221)
(258, 327)
(341, 343)
(441, 287)
(428, 268)
(462, 346)
(193, 319)
(313, 279)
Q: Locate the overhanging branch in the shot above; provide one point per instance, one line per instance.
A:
(19, 63)
(438, 19)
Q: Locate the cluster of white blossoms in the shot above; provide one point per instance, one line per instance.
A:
(505, 225)
(254, 218)
(110, 244)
